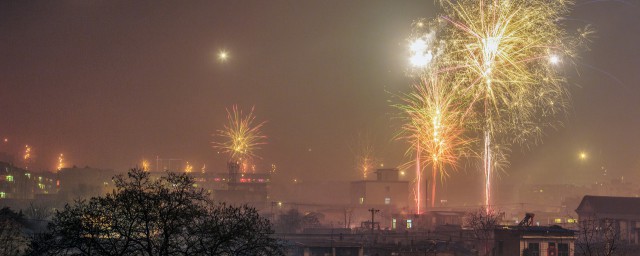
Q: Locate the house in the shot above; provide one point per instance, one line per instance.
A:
(620, 213)
(534, 241)
(386, 190)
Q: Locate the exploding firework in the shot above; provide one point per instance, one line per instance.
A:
(365, 159)
(145, 165)
(435, 129)
(27, 156)
(503, 55)
(241, 137)
(497, 59)
(188, 167)
(60, 162)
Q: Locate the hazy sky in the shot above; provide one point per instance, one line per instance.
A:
(108, 83)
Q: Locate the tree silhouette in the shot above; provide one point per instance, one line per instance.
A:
(164, 216)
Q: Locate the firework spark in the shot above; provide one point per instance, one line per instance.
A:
(503, 55)
(435, 129)
(241, 137)
(145, 165)
(188, 167)
(60, 162)
(27, 156)
(365, 158)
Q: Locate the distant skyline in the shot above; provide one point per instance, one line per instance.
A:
(108, 83)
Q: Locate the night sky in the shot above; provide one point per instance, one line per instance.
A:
(108, 83)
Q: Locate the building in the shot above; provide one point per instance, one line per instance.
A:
(85, 182)
(533, 240)
(387, 190)
(622, 214)
(18, 183)
(431, 220)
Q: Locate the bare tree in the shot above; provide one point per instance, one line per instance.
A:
(294, 221)
(166, 216)
(348, 216)
(483, 223)
(38, 212)
(12, 240)
(598, 237)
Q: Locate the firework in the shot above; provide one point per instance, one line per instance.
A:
(241, 137)
(503, 55)
(145, 165)
(434, 126)
(27, 156)
(60, 162)
(365, 158)
(188, 167)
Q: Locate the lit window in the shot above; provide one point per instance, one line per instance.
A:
(9, 178)
(409, 224)
(362, 200)
(387, 200)
(572, 221)
(40, 185)
(558, 220)
(3, 195)
(393, 223)
(28, 175)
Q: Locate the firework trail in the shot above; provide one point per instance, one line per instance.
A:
(241, 137)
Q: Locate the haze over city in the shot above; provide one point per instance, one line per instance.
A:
(109, 83)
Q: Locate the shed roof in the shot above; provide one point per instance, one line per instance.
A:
(609, 205)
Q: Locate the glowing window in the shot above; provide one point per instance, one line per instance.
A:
(387, 200)
(572, 221)
(409, 224)
(393, 223)
(558, 220)
(3, 195)
(9, 178)
(362, 200)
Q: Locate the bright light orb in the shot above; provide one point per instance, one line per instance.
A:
(583, 155)
(418, 46)
(421, 60)
(554, 59)
(223, 55)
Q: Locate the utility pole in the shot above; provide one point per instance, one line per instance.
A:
(373, 213)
